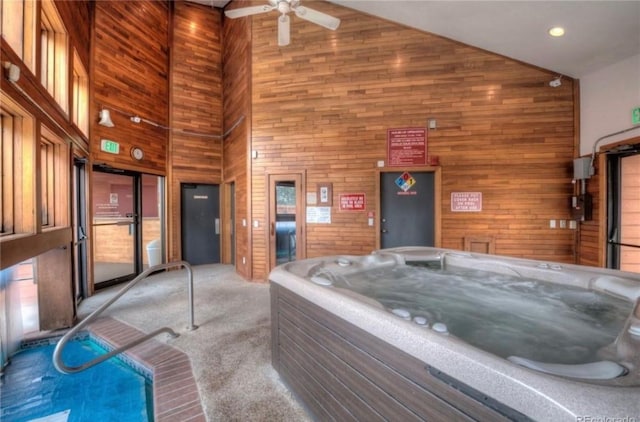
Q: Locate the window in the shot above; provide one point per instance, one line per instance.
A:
(80, 95)
(54, 170)
(18, 28)
(7, 125)
(16, 167)
(47, 177)
(53, 51)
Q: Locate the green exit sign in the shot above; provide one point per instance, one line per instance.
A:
(112, 147)
(635, 116)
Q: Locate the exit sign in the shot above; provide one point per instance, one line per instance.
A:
(635, 116)
(112, 147)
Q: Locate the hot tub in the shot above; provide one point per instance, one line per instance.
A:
(475, 337)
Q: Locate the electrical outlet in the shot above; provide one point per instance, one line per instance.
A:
(563, 224)
(552, 224)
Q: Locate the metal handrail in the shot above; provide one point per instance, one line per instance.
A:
(57, 353)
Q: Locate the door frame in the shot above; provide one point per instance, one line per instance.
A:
(301, 212)
(615, 206)
(228, 235)
(602, 181)
(437, 193)
(80, 219)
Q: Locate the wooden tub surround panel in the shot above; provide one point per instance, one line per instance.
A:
(341, 372)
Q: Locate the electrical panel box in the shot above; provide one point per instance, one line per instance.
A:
(582, 168)
(582, 207)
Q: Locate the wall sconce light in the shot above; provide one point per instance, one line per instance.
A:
(105, 118)
(12, 71)
(556, 82)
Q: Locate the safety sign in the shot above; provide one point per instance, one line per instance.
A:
(405, 181)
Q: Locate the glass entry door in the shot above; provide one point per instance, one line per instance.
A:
(624, 212)
(115, 227)
(286, 218)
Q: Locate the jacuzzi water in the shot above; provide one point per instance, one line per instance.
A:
(547, 341)
(111, 391)
(501, 314)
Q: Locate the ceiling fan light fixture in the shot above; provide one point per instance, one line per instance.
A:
(284, 7)
(556, 31)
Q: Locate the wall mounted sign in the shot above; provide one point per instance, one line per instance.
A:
(635, 116)
(352, 202)
(107, 145)
(325, 194)
(407, 147)
(319, 215)
(466, 201)
(312, 198)
(406, 182)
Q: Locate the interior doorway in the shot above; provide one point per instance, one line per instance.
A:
(80, 257)
(200, 223)
(286, 218)
(623, 210)
(127, 224)
(409, 208)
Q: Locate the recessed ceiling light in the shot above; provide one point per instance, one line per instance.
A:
(556, 31)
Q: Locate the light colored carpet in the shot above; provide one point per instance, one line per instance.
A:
(230, 351)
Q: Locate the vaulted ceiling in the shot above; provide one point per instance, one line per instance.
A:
(598, 33)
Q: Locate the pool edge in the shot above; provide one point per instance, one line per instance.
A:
(175, 392)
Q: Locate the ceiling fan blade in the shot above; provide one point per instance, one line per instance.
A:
(316, 17)
(247, 11)
(284, 30)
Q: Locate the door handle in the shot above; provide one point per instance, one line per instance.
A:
(217, 223)
(273, 228)
(384, 231)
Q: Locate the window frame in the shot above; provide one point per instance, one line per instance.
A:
(54, 55)
(18, 209)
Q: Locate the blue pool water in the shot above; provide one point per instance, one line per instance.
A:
(111, 391)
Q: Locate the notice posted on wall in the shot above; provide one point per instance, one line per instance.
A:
(407, 146)
(466, 201)
(352, 202)
(319, 215)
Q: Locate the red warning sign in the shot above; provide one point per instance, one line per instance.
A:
(352, 202)
(407, 147)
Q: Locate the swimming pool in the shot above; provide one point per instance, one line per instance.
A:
(112, 391)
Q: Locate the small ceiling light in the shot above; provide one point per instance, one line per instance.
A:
(105, 118)
(556, 31)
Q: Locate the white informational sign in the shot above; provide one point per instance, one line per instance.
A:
(319, 215)
(466, 201)
(312, 198)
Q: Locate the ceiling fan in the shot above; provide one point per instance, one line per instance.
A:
(284, 7)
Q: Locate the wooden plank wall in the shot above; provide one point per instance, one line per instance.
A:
(130, 74)
(196, 107)
(71, 13)
(324, 103)
(237, 105)
(590, 246)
